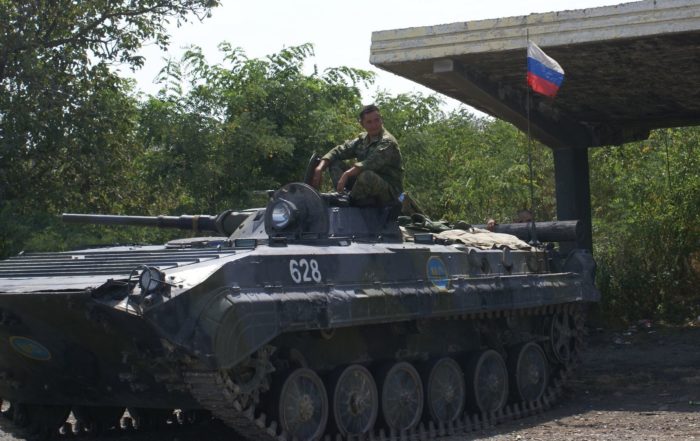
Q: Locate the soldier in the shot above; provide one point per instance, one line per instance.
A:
(377, 176)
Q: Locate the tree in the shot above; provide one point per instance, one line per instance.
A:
(66, 118)
(224, 133)
(66, 34)
(459, 166)
(646, 212)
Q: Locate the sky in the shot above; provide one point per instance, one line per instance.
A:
(341, 32)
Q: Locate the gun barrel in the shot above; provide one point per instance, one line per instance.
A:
(184, 222)
(555, 231)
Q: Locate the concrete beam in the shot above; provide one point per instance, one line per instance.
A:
(562, 28)
(629, 68)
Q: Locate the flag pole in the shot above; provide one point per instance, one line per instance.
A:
(533, 231)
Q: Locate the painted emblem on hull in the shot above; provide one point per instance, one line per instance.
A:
(30, 348)
(437, 273)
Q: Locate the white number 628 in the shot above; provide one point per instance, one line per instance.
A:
(303, 270)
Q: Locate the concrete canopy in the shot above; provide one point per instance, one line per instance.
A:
(629, 68)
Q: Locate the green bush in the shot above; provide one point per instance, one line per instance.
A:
(646, 210)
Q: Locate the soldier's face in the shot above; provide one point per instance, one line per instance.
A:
(372, 123)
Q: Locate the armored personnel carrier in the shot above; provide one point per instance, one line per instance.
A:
(306, 319)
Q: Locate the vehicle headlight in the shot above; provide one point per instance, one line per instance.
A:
(150, 279)
(282, 214)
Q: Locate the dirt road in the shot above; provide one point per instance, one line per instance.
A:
(638, 386)
(642, 384)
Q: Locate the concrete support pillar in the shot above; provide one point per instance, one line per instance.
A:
(573, 190)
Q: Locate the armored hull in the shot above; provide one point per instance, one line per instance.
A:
(311, 319)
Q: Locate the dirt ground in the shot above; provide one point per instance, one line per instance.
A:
(640, 384)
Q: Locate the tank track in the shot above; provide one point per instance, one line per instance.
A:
(215, 395)
(210, 390)
(26, 425)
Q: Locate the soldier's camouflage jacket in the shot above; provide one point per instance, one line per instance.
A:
(380, 155)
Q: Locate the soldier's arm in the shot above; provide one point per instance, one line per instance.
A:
(345, 150)
(352, 171)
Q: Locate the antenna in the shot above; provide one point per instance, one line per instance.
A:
(533, 229)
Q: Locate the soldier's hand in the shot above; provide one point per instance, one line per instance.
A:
(352, 171)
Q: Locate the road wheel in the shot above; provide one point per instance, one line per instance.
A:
(444, 390)
(529, 374)
(303, 405)
(402, 397)
(354, 401)
(488, 381)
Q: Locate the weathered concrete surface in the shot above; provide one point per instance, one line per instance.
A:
(629, 68)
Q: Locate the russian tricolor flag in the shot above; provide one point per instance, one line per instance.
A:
(544, 74)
